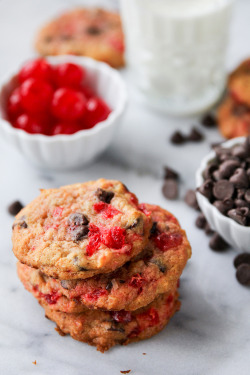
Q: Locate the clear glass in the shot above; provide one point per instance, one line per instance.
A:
(176, 51)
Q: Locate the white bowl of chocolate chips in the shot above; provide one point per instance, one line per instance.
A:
(223, 191)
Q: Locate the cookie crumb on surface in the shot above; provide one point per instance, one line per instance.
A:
(125, 372)
(34, 363)
(144, 353)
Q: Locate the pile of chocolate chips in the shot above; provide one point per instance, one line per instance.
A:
(227, 182)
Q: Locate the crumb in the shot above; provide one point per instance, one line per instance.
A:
(125, 372)
(34, 363)
(144, 353)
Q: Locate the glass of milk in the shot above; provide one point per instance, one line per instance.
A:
(176, 51)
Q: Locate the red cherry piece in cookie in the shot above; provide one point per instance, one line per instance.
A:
(36, 95)
(14, 106)
(166, 241)
(69, 75)
(121, 316)
(68, 104)
(32, 124)
(114, 237)
(51, 298)
(96, 111)
(107, 210)
(39, 69)
(149, 318)
(66, 128)
(93, 296)
(94, 237)
(137, 281)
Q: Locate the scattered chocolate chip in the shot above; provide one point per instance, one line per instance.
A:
(178, 138)
(77, 219)
(223, 189)
(159, 264)
(239, 178)
(243, 274)
(109, 285)
(241, 258)
(238, 215)
(154, 229)
(83, 269)
(206, 188)
(190, 199)
(15, 207)
(170, 189)
(201, 221)
(217, 243)
(209, 121)
(210, 169)
(195, 135)
(208, 230)
(170, 173)
(104, 195)
(93, 30)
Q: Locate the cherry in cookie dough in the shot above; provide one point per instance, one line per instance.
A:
(105, 329)
(99, 238)
(96, 33)
(154, 271)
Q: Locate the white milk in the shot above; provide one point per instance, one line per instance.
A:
(176, 50)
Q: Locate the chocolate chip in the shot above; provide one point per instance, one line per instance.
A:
(240, 203)
(247, 145)
(159, 264)
(201, 221)
(190, 199)
(15, 207)
(134, 224)
(209, 121)
(210, 169)
(223, 189)
(23, 224)
(116, 329)
(154, 230)
(228, 167)
(195, 135)
(224, 206)
(170, 173)
(206, 188)
(122, 281)
(239, 151)
(239, 110)
(93, 30)
(217, 243)
(170, 189)
(68, 284)
(241, 193)
(208, 230)
(243, 274)
(247, 196)
(239, 178)
(238, 215)
(177, 138)
(104, 195)
(241, 258)
(79, 233)
(109, 285)
(78, 219)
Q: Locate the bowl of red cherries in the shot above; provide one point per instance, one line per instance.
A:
(63, 111)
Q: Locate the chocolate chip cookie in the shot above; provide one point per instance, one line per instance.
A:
(91, 32)
(78, 231)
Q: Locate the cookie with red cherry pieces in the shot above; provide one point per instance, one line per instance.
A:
(239, 83)
(105, 329)
(81, 230)
(233, 118)
(91, 32)
(154, 271)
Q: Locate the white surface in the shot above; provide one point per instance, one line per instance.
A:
(176, 51)
(210, 335)
(235, 234)
(63, 152)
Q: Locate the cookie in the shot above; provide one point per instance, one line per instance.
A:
(155, 271)
(105, 329)
(239, 83)
(95, 33)
(78, 231)
(233, 118)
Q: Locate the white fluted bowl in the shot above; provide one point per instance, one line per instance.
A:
(62, 152)
(233, 233)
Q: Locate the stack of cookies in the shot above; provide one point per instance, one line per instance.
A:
(104, 267)
(234, 112)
